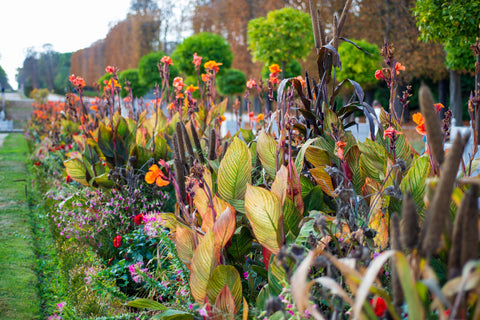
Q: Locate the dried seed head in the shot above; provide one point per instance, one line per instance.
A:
(188, 144)
(470, 227)
(180, 143)
(212, 145)
(437, 213)
(395, 245)
(196, 142)
(409, 224)
(432, 124)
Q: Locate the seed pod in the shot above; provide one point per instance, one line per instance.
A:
(470, 227)
(180, 143)
(454, 266)
(224, 149)
(212, 145)
(188, 144)
(437, 213)
(409, 223)
(432, 124)
(395, 245)
(196, 141)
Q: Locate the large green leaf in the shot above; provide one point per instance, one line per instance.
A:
(76, 170)
(415, 180)
(407, 281)
(291, 217)
(276, 276)
(204, 262)
(317, 157)
(184, 243)
(149, 304)
(301, 154)
(267, 152)
(103, 181)
(241, 244)
(373, 160)
(221, 276)
(172, 314)
(235, 172)
(105, 137)
(264, 211)
(352, 158)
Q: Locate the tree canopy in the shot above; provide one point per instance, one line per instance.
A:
(4, 79)
(148, 69)
(455, 24)
(232, 81)
(281, 36)
(207, 45)
(132, 76)
(358, 65)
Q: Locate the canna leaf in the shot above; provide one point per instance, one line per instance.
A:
(76, 170)
(414, 180)
(225, 304)
(149, 304)
(301, 154)
(264, 212)
(185, 244)
(267, 152)
(224, 227)
(204, 262)
(234, 173)
(225, 276)
(323, 179)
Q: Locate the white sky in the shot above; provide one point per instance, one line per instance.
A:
(66, 24)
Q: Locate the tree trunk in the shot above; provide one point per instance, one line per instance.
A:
(477, 92)
(443, 95)
(456, 97)
(369, 95)
(284, 64)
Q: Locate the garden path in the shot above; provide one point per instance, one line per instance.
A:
(19, 296)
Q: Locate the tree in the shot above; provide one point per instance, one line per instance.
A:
(359, 66)
(455, 25)
(4, 79)
(281, 36)
(148, 69)
(207, 45)
(133, 78)
(231, 82)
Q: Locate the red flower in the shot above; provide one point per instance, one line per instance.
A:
(77, 81)
(117, 241)
(166, 60)
(251, 83)
(379, 75)
(438, 107)
(38, 163)
(379, 306)
(340, 145)
(390, 132)
(110, 69)
(138, 219)
(178, 83)
(399, 67)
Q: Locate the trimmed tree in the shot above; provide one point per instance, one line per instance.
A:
(455, 24)
(148, 69)
(283, 35)
(232, 82)
(207, 45)
(132, 76)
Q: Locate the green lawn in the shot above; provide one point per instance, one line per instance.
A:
(19, 298)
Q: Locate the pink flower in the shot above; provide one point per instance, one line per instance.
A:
(110, 69)
(197, 60)
(178, 83)
(251, 83)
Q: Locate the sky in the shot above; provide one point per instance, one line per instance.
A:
(65, 24)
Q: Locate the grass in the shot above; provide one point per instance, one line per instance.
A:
(19, 297)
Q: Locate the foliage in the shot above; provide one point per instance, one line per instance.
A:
(45, 69)
(135, 85)
(148, 69)
(39, 95)
(207, 45)
(293, 69)
(232, 81)
(454, 24)
(281, 36)
(358, 65)
(4, 79)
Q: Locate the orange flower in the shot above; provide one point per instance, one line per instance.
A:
(178, 83)
(340, 146)
(94, 108)
(418, 119)
(205, 77)
(191, 88)
(114, 82)
(379, 75)
(155, 175)
(127, 99)
(275, 69)
(197, 60)
(222, 118)
(212, 65)
(260, 117)
(166, 60)
(171, 106)
(438, 107)
(399, 67)
(251, 83)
